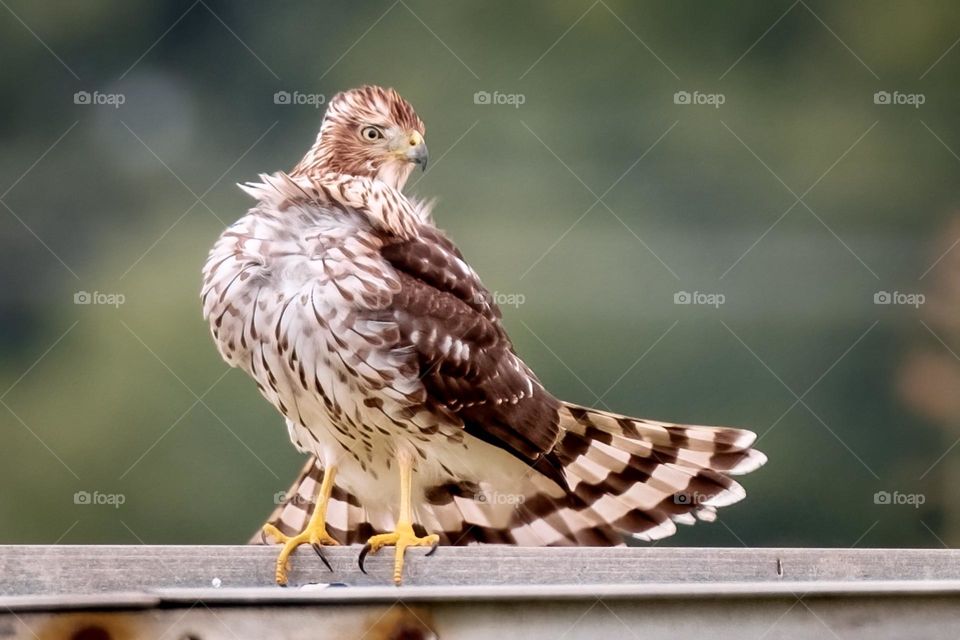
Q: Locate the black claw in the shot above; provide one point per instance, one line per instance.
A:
(263, 537)
(433, 548)
(363, 555)
(319, 551)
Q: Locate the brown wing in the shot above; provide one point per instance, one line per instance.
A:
(466, 359)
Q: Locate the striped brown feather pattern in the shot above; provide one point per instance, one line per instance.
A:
(467, 361)
(626, 476)
(363, 324)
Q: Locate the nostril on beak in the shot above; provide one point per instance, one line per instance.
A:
(417, 151)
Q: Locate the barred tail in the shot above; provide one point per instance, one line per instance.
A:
(625, 476)
(642, 476)
(347, 521)
(457, 512)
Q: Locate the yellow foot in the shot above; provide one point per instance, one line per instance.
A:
(315, 536)
(402, 538)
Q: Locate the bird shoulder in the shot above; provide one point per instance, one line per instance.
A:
(386, 208)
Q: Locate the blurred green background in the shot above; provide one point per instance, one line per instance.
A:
(588, 208)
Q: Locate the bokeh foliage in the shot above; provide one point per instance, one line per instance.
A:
(123, 402)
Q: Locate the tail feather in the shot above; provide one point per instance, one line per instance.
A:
(347, 521)
(625, 476)
(693, 437)
(736, 462)
(645, 476)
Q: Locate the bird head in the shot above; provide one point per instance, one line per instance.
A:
(370, 132)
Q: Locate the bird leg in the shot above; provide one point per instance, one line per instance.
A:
(403, 535)
(315, 534)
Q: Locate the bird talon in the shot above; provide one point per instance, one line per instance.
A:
(319, 550)
(363, 555)
(400, 539)
(314, 535)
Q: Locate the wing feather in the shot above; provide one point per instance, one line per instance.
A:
(467, 361)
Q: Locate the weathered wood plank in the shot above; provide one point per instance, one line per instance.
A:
(92, 569)
(342, 595)
(848, 609)
(214, 593)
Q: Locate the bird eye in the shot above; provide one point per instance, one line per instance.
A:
(371, 133)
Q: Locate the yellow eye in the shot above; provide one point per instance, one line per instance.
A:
(371, 133)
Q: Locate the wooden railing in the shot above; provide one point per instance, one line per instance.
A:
(491, 592)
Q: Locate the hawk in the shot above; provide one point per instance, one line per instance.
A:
(363, 324)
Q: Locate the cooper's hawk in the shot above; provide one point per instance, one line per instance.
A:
(364, 325)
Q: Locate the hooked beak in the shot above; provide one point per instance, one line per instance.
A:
(419, 155)
(417, 150)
